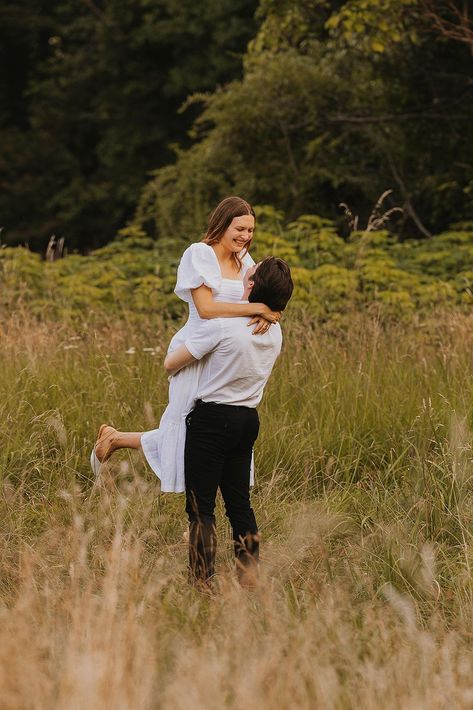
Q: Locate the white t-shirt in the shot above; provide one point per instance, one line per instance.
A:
(238, 363)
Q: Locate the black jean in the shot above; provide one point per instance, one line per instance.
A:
(219, 443)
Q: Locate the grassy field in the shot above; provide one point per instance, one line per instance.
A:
(363, 497)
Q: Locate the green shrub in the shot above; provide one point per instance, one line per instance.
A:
(332, 276)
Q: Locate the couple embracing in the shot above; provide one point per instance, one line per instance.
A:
(219, 363)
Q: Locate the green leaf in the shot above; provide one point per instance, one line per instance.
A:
(377, 46)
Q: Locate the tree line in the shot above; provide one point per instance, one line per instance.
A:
(130, 111)
(91, 94)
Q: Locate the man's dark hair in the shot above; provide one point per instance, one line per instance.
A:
(273, 283)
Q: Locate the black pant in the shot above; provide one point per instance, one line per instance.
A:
(219, 443)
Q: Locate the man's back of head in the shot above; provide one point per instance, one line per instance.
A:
(272, 283)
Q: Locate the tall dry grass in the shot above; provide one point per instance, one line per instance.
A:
(363, 496)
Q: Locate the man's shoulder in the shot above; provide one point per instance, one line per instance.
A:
(234, 326)
(238, 329)
(276, 334)
(211, 325)
(211, 329)
(205, 338)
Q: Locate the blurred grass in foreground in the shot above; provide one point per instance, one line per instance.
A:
(363, 496)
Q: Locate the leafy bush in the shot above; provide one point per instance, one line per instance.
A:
(333, 276)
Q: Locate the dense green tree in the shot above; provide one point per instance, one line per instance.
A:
(339, 101)
(26, 176)
(92, 98)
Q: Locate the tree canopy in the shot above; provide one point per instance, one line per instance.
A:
(91, 97)
(335, 105)
(151, 111)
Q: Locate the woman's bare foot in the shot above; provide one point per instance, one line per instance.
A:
(105, 444)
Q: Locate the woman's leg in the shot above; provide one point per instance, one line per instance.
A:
(109, 440)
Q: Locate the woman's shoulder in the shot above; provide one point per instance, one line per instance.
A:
(201, 249)
(198, 265)
(199, 256)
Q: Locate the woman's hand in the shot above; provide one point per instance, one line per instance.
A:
(262, 324)
(263, 311)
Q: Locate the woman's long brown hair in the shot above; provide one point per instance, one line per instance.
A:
(222, 217)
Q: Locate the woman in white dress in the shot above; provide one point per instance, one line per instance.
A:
(210, 280)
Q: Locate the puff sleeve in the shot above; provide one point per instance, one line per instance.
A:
(199, 265)
(247, 262)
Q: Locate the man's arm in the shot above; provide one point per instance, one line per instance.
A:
(178, 359)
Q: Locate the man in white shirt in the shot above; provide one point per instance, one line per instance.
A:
(223, 426)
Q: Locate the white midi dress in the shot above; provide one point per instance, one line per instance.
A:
(164, 447)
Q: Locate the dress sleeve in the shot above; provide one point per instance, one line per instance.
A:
(247, 262)
(198, 265)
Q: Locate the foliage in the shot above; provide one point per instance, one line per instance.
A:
(128, 274)
(337, 103)
(333, 277)
(91, 102)
(111, 106)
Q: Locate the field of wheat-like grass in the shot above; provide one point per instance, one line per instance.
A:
(364, 500)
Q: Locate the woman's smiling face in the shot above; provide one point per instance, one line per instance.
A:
(238, 233)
